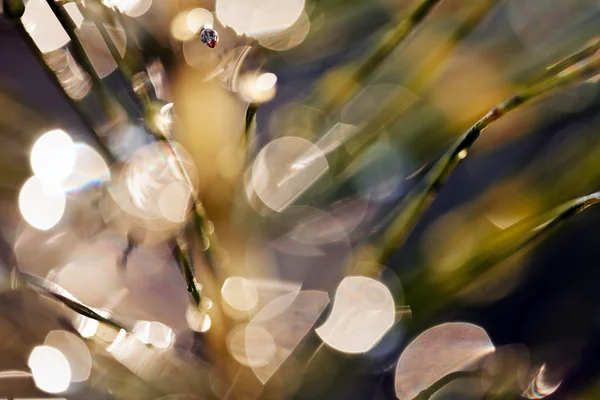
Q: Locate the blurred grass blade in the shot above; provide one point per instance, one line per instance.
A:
(430, 295)
(588, 51)
(389, 111)
(410, 209)
(390, 41)
(523, 234)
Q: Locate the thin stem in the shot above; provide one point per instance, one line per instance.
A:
(356, 142)
(124, 69)
(84, 119)
(536, 227)
(449, 378)
(100, 90)
(415, 203)
(524, 234)
(193, 287)
(67, 299)
(250, 119)
(571, 60)
(389, 111)
(391, 40)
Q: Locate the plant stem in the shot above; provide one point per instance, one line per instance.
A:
(102, 93)
(68, 299)
(179, 253)
(415, 203)
(250, 120)
(526, 233)
(538, 227)
(390, 41)
(449, 378)
(389, 112)
(355, 143)
(571, 60)
(84, 119)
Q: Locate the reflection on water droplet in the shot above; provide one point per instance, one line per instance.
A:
(540, 387)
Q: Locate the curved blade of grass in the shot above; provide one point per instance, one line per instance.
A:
(534, 229)
(430, 296)
(416, 202)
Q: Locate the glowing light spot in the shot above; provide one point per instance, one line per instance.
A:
(175, 201)
(164, 119)
(251, 346)
(283, 169)
(50, 369)
(259, 17)
(97, 49)
(41, 206)
(43, 27)
(76, 352)
(198, 18)
(266, 81)
(90, 168)
(197, 320)
(363, 312)
(289, 38)
(437, 352)
(86, 327)
(155, 333)
(180, 29)
(462, 154)
(239, 293)
(257, 88)
(133, 8)
(148, 173)
(53, 156)
(287, 319)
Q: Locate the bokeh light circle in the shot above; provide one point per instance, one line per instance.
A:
(41, 206)
(50, 369)
(53, 156)
(259, 17)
